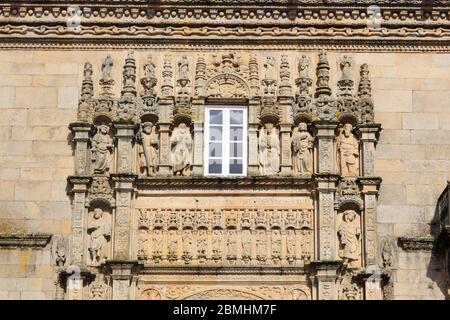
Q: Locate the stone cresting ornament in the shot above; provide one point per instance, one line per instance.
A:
(303, 97)
(105, 102)
(347, 104)
(182, 111)
(127, 106)
(86, 104)
(325, 108)
(148, 96)
(365, 103)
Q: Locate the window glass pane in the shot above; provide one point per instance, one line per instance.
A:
(215, 133)
(236, 167)
(236, 116)
(215, 166)
(215, 150)
(236, 133)
(236, 150)
(215, 116)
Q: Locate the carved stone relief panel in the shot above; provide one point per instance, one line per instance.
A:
(222, 292)
(225, 236)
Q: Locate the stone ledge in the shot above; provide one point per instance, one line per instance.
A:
(416, 243)
(34, 241)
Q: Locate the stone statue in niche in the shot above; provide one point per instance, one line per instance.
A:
(181, 142)
(302, 145)
(269, 150)
(172, 245)
(246, 245)
(157, 245)
(99, 231)
(102, 145)
(290, 245)
(217, 244)
(183, 68)
(202, 244)
(349, 234)
(59, 251)
(148, 152)
(348, 152)
(276, 245)
(188, 245)
(261, 246)
(231, 244)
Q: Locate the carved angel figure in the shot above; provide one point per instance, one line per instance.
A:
(107, 65)
(102, 144)
(302, 144)
(181, 142)
(99, 230)
(269, 150)
(349, 233)
(348, 152)
(148, 151)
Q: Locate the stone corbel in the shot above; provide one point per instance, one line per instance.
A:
(372, 279)
(123, 275)
(80, 132)
(75, 280)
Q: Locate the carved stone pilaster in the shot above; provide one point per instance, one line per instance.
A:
(368, 137)
(326, 186)
(286, 157)
(79, 189)
(253, 124)
(123, 275)
(80, 132)
(198, 149)
(326, 273)
(326, 156)
(124, 189)
(125, 134)
(164, 167)
(370, 188)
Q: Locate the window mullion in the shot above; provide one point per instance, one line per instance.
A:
(226, 139)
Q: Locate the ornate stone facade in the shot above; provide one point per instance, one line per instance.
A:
(302, 222)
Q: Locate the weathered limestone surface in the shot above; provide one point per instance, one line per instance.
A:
(38, 98)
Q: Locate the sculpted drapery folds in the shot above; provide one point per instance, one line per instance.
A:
(348, 152)
(99, 230)
(102, 144)
(148, 150)
(349, 233)
(181, 142)
(302, 145)
(269, 150)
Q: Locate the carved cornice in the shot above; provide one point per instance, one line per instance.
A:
(34, 241)
(404, 25)
(223, 183)
(210, 270)
(416, 243)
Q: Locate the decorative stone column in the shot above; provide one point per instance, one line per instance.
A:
(80, 132)
(286, 155)
(166, 107)
(123, 275)
(125, 133)
(124, 189)
(253, 124)
(326, 273)
(368, 137)
(370, 187)
(198, 106)
(79, 190)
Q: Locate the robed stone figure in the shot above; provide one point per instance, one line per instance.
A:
(348, 152)
(302, 144)
(102, 144)
(99, 230)
(181, 142)
(269, 150)
(349, 232)
(148, 151)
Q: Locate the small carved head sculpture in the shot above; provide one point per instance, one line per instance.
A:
(269, 126)
(302, 126)
(103, 129)
(347, 129)
(147, 127)
(98, 213)
(349, 215)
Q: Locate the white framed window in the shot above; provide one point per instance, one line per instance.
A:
(225, 141)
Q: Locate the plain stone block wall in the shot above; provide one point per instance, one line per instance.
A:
(38, 99)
